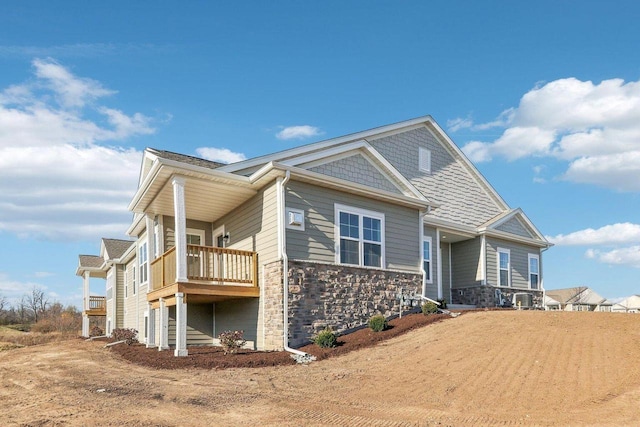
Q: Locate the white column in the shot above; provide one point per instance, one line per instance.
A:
(163, 339)
(150, 249)
(151, 326)
(85, 325)
(181, 326)
(439, 252)
(86, 291)
(181, 228)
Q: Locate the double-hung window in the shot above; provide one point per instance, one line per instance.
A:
(504, 267)
(534, 271)
(426, 258)
(143, 260)
(360, 237)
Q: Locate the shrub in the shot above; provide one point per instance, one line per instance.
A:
(378, 323)
(429, 308)
(128, 335)
(44, 326)
(96, 331)
(443, 303)
(232, 341)
(326, 338)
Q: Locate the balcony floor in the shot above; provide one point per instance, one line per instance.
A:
(202, 292)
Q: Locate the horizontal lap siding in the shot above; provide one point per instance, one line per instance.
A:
(316, 242)
(119, 323)
(465, 260)
(130, 300)
(519, 257)
(238, 315)
(446, 276)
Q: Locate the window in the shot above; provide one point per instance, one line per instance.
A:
(424, 160)
(504, 266)
(534, 271)
(426, 258)
(143, 261)
(360, 237)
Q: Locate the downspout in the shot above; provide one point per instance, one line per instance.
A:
(424, 273)
(282, 245)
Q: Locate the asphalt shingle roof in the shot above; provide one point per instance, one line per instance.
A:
(116, 247)
(186, 159)
(90, 261)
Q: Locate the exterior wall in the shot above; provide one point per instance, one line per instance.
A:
(317, 242)
(130, 300)
(236, 315)
(519, 262)
(356, 169)
(514, 226)
(341, 297)
(451, 184)
(168, 223)
(485, 296)
(466, 270)
(445, 249)
(272, 300)
(432, 288)
(119, 321)
(253, 226)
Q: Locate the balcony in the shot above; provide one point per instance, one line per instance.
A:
(97, 306)
(212, 274)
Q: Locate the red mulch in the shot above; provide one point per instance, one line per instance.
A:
(214, 357)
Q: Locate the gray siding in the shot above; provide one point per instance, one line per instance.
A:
(316, 243)
(514, 226)
(451, 184)
(170, 234)
(356, 169)
(446, 274)
(253, 226)
(130, 300)
(465, 260)
(238, 315)
(519, 258)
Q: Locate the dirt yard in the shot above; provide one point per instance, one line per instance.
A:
(482, 368)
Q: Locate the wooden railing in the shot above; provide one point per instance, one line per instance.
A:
(97, 303)
(209, 264)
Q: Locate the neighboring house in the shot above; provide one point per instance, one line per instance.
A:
(579, 298)
(327, 234)
(628, 305)
(551, 304)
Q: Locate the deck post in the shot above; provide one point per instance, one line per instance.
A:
(180, 228)
(151, 326)
(181, 326)
(163, 341)
(85, 325)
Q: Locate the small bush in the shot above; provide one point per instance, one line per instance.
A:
(96, 331)
(128, 335)
(378, 323)
(44, 326)
(232, 341)
(443, 303)
(326, 338)
(429, 308)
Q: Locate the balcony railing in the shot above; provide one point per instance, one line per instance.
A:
(207, 264)
(97, 305)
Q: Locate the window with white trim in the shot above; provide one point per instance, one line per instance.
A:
(143, 262)
(504, 267)
(534, 271)
(360, 237)
(424, 160)
(426, 258)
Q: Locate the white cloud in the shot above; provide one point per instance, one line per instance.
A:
(222, 155)
(298, 132)
(57, 181)
(14, 289)
(459, 123)
(594, 127)
(43, 274)
(620, 233)
(624, 256)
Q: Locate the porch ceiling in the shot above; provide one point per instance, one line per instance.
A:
(205, 199)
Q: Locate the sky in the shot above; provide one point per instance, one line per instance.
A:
(543, 97)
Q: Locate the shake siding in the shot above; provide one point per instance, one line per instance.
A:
(357, 169)
(237, 315)
(519, 258)
(465, 260)
(432, 288)
(514, 226)
(317, 242)
(253, 226)
(451, 184)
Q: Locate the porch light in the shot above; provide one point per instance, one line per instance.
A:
(226, 238)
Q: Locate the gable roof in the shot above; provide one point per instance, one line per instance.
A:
(492, 226)
(183, 158)
(91, 264)
(577, 295)
(112, 249)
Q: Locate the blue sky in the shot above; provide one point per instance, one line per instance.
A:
(543, 96)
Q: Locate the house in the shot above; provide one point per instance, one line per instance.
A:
(628, 305)
(579, 298)
(327, 234)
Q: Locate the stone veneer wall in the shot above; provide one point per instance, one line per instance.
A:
(484, 296)
(273, 306)
(341, 297)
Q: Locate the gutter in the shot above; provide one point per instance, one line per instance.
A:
(300, 356)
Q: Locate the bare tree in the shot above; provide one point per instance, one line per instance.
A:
(37, 302)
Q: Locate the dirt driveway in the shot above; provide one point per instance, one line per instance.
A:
(484, 368)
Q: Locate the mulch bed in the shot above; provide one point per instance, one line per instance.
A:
(214, 358)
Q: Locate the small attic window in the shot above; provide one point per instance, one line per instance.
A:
(424, 159)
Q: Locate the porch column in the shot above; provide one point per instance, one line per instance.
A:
(85, 304)
(181, 228)
(181, 326)
(151, 250)
(439, 252)
(163, 339)
(151, 326)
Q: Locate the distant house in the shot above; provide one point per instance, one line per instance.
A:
(579, 298)
(327, 234)
(628, 305)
